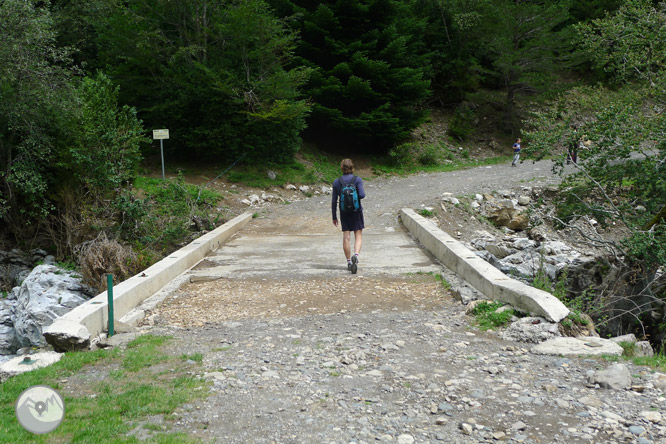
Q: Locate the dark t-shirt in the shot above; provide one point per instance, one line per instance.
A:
(337, 190)
(516, 148)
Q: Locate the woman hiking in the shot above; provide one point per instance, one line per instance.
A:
(348, 189)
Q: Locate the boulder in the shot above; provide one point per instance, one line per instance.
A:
(500, 251)
(47, 293)
(624, 338)
(660, 381)
(531, 329)
(8, 340)
(67, 335)
(523, 243)
(643, 349)
(580, 346)
(615, 377)
(504, 213)
(524, 200)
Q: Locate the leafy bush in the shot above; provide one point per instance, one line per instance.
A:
(461, 124)
(401, 155)
(429, 155)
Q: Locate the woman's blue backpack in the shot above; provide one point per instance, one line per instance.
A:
(349, 196)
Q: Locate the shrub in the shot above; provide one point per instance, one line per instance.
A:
(460, 125)
(401, 155)
(102, 256)
(429, 155)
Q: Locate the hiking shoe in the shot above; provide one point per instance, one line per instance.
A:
(349, 265)
(354, 259)
(353, 268)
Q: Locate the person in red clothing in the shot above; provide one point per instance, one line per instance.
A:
(350, 221)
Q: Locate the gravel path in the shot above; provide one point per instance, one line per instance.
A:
(385, 359)
(387, 195)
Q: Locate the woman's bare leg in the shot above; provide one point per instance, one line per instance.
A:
(358, 241)
(346, 235)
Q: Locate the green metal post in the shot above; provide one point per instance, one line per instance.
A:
(109, 292)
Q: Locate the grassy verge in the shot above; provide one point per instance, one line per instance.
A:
(487, 315)
(438, 277)
(384, 166)
(314, 168)
(656, 362)
(109, 395)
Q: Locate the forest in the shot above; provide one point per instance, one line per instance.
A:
(83, 83)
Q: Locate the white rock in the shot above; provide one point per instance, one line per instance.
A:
(652, 416)
(524, 200)
(616, 377)
(405, 439)
(47, 293)
(580, 346)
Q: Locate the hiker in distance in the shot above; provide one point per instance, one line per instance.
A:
(349, 190)
(516, 152)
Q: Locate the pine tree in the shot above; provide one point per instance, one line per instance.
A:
(369, 69)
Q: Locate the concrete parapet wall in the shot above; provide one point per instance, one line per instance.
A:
(66, 332)
(480, 274)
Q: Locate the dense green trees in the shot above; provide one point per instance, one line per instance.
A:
(34, 91)
(369, 69)
(56, 132)
(248, 78)
(511, 46)
(212, 72)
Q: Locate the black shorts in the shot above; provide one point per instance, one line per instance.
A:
(352, 221)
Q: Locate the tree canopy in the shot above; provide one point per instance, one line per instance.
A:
(83, 82)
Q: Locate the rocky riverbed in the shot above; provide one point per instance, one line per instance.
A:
(418, 375)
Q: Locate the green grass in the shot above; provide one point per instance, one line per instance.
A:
(487, 317)
(196, 357)
(384, 167)
(446, 284)
(158, 214)
(147, 383)
(656, 362)
(315, 168)
(426, 213)
(628, 349)
(164, 190)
